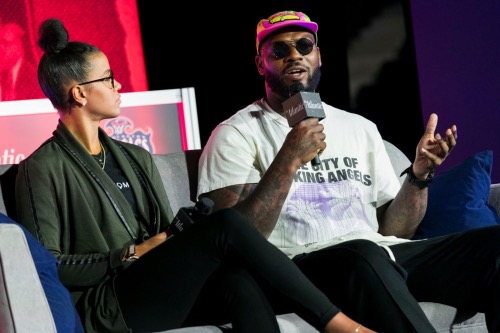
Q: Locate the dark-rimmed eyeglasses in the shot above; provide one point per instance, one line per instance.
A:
(281, 49)
(108, 81)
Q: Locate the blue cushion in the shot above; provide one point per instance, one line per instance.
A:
(458, 198)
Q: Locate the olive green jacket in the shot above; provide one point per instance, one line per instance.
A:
(77, 212)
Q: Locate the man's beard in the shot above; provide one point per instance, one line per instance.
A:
(280, 87)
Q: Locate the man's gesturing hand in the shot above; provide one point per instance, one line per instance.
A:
(432, 150)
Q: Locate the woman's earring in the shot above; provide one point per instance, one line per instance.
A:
(84, 103)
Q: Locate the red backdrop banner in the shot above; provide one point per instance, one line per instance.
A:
(111, 25)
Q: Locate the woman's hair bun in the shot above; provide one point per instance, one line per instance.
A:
(53, 36)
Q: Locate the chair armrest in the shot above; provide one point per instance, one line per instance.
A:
(25, 299)
(494, 198)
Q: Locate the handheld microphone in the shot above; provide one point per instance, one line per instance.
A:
(187, 216)
(302, 105)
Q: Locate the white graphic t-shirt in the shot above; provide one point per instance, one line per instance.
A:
(327, 204)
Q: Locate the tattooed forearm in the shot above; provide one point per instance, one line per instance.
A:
(405, 212)
(261, 203)
(264, 205)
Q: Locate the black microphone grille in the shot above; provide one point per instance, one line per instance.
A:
(296, 87)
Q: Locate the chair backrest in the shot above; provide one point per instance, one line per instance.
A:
(399, 160)
(179, 173)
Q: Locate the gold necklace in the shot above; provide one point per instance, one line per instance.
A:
(103, 152)
(101, 158)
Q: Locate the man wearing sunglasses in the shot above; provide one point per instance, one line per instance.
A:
(347, 222)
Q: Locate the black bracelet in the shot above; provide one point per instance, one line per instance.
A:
(414, 180)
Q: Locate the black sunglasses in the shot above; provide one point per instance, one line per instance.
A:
(108, 81)
(281, 49)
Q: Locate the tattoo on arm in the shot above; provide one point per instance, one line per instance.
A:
(403, 215)
(261, 207)
(261, 203)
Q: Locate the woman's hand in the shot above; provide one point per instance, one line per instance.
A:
(150, 244)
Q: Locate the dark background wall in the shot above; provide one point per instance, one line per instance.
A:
(458, 57)
(369, 58)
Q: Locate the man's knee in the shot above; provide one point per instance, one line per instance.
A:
(351, 255)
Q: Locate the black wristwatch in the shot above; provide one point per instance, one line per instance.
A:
(415, 181)
(131, 255)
